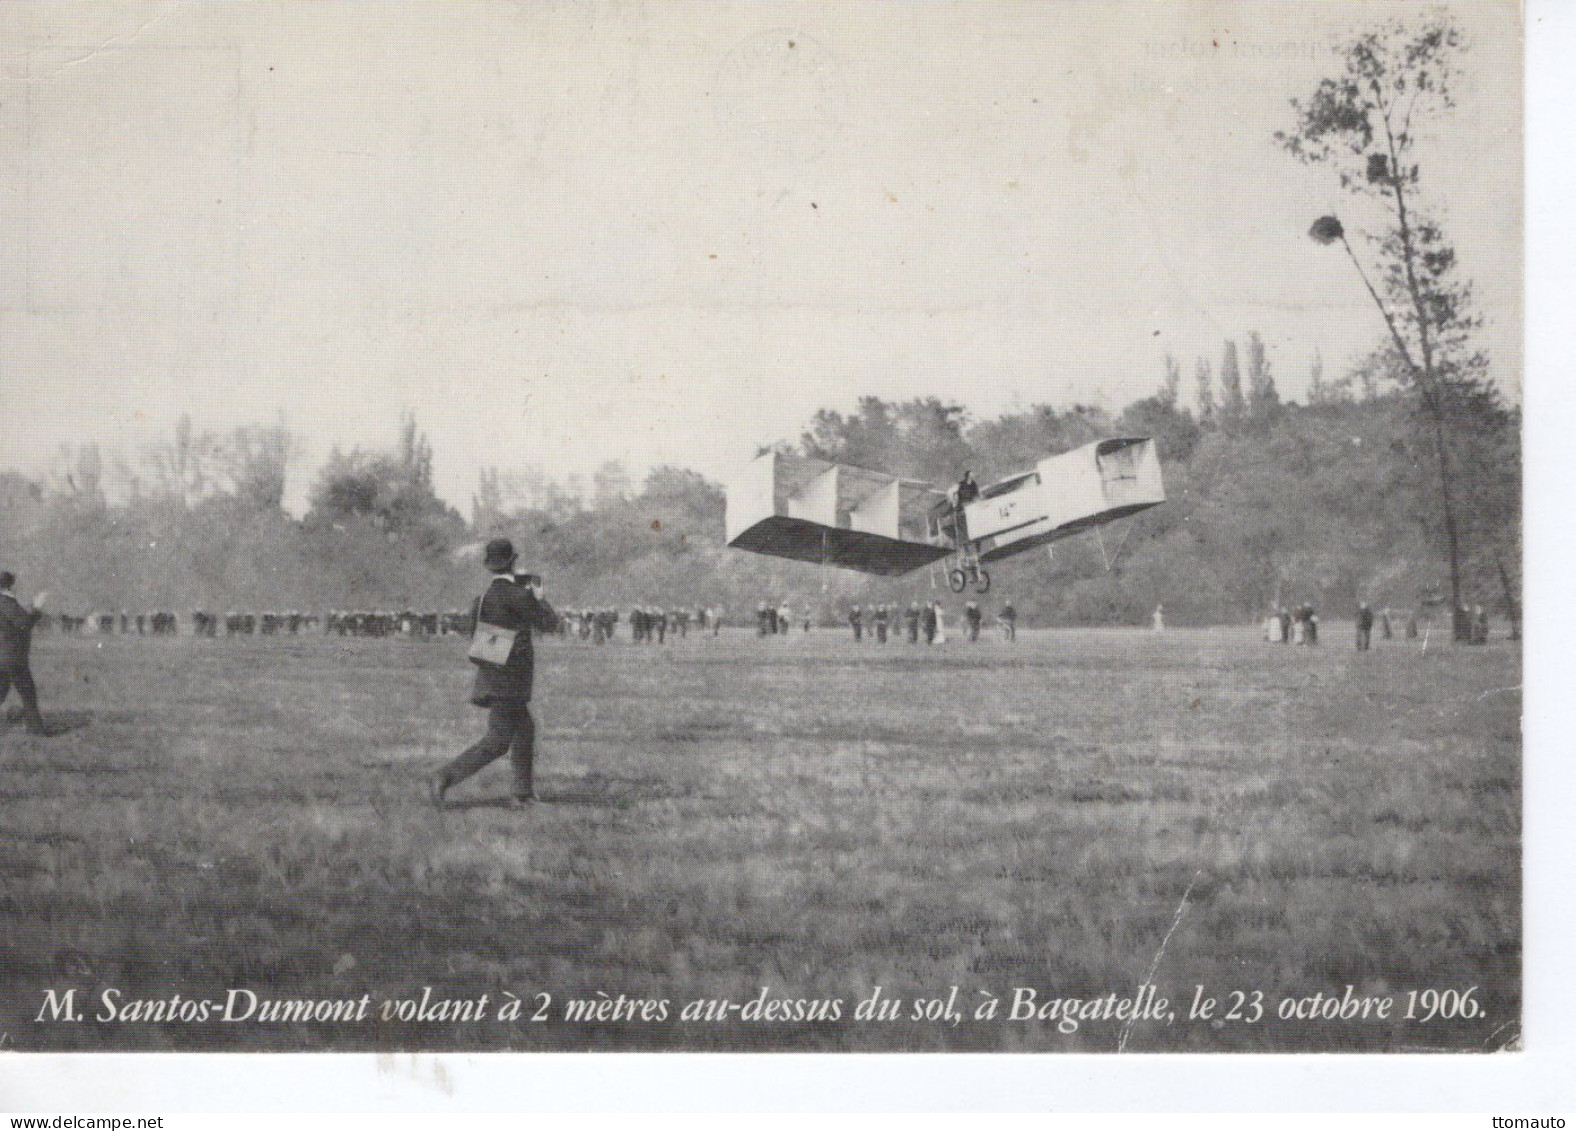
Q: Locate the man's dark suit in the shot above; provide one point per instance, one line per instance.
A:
(16, 642)
(506, 691)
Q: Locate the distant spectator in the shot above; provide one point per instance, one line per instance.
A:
(1365, 626)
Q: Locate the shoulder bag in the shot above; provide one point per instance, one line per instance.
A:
(490, 644)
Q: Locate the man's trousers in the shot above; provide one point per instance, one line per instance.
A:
(22, 679)
(510, 730)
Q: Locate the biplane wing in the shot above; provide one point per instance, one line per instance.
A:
(810, 510)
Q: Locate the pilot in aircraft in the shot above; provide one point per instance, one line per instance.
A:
(966, 492)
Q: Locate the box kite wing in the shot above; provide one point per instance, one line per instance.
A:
(810, 510)
(1066, 495)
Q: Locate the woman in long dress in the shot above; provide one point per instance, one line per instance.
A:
(941, 624)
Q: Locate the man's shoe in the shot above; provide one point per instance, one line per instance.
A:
(44, 730)
(520, 801)
(437, 786)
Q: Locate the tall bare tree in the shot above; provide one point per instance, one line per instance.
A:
(611, 485)
(78, 475)
(1365, 123)
(1318, 388)
(1171, 389)
(1263, 399)
(1204, 379)
(258, 458)
(187, 467)
(1233, 406)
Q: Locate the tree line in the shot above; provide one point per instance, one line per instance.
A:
(1270, 502)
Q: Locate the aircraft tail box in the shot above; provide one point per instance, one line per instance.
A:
(1067, 494)
(1107, 476)
(753, 495)
(812, 510)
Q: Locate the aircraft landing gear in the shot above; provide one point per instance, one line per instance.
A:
(968, 570)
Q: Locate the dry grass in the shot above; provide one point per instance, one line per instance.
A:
(807, 815)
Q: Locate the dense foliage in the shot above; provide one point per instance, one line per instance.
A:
(1270, 502)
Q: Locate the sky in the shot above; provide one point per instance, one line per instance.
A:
(668, 233)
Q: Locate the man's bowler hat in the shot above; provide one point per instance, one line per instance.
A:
(499, 555)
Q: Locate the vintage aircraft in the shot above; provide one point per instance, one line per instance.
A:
(811, 510)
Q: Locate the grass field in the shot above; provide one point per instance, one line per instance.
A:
(1074, 814)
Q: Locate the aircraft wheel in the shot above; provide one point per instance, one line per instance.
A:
(982, 582)
(957, 580)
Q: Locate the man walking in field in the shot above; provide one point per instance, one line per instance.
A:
(505, 690)
(1009, 622)
(16, 642)
(911, 620)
